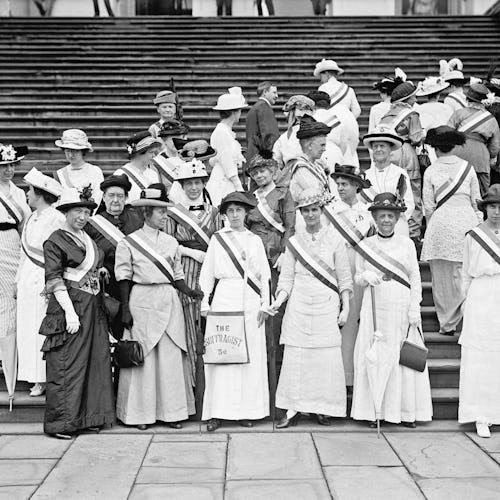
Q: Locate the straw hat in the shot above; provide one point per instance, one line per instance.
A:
(72, 198)
(383, 134)
(492, 196)
(142, 141)
(477, 92)
(194, 169)
(194, 148)
(403, 92)
(165, 96)
(431, 85)
(153, 196)
(74, 138)
(327, 65)
(231, 101)
(312, 196)
(299, 101)
(41, 181)
(12, 154)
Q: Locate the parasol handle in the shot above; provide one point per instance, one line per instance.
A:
(374, 316)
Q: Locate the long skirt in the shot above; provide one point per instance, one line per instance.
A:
(79, 391)
(312, 381)
(157, 390)
(407, 395)
(238, 391)
(10, 244)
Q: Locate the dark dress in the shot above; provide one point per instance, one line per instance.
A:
(79, 390)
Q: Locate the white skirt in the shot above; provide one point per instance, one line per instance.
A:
(312, 381)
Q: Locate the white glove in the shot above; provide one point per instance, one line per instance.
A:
(372, 278)
(72, 322)
(414, 318)
(204, 309)
(279, 262)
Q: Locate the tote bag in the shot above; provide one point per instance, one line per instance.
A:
(412, 355)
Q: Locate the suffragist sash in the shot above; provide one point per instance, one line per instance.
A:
(162, 164)
(78, 274)
(368, 194)
(313, 262)
(405, 113)
(311, 167)
(339, 95)
(458, 99)
(164, 265)
(450, 187)
(134, 178)
(34, 254)
(390, 267)
(13, 209)
(190, 221)
(107, 229)
(237, 255)
(266, 212)
(345, 227)
(474, 121)
(488, 241)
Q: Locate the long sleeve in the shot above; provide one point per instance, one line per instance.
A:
(123, 262)
(222, 143)
(265, 272)
(415, 133)
(466, 277)
(360, 269)
(55, 262)
(252, 129)
(207, 275)
(428, 195)
(408, 197)
(355, 108)
(455, 119)
(267, 124)
(287, 274)
(414, 275)
(475, 195)
(494, 141)
(342, 268)
(287, 213)
(278, 153)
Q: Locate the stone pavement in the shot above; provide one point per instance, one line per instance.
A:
(437, 461)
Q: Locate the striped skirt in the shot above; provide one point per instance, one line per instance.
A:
(9, 262)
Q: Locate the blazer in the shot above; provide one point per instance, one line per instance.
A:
(260, 122)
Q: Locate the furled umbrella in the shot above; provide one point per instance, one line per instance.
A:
(8, 356)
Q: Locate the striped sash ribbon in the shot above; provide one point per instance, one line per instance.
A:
(187, 219)
(77, 274)
(301, 163)
(107, 229)
(13, 209)
(474, 121)
(450, 187)
(62, 176)
(368, 194)
(266, 212)
(339, 95)
(313, 262)
(134, 178)
(488, 241)
(458, 99)
(345, 227)
(34, 254)
(400, 117)
(162, 164)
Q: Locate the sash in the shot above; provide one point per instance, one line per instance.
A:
(458, 100)
(474, 121)
(313, 262)
(187, 219)
(450, 187)
(266, 212)
(488, 241)
(107, 229)
(345, 227)
(163, 166)
(387, 265)
(78, 273)
(405, 113)
(368, 194)
(339, 94)
(236, 253)
(301, 163)
(163, 264)
(13, 209)
(34, 254)
(134, 178)
(63, 177)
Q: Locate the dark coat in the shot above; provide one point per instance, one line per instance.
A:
(261, 123)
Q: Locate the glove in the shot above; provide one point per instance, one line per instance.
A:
(126, 317)
(372, 278)
(279, 262)
(197, 255)
(72, 322)
(414, 318)
(196, 294)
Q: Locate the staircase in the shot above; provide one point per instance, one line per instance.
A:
(102, 74)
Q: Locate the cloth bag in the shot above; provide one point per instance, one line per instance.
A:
(413, 355)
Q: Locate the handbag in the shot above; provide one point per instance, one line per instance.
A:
(111, 305)
(423, 159)
(412, 355)
(128, 353)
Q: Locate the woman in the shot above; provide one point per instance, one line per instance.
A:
(316, 279)
(237, 391)
(479, 399)
(389, 270)
(449, 196)
(148, 270)
(432, 112)
(79, 173)
(224, 178)
(192, 223)
(76, 347)
(142, 148)
(31, 305)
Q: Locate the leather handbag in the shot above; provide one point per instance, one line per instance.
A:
(128, 353)
(424, 160)
(412, 355)
(111, 305)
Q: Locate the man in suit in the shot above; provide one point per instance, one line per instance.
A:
(261, 124)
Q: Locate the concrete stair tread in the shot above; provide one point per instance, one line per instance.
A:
(443, 364)
(21, 399)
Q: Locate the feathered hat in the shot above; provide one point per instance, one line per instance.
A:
(451, 71)
(264, 157)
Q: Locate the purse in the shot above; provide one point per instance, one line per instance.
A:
(423, 159)
(111, 305)
(128, 353)
(412, 355)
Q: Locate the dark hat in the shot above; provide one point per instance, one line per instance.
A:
(444, 136)
(321, 99)
(477, 92)
(240, 198)
(190, 149)
(386, 85)
(309, 127)
(264, 155)
(492, 196)
(173, 127)
(349, 172)
(116, 181)
(73, 198)
(12, 154)
(141, 141)
(403, 91)
(153, 196)
(387, 201)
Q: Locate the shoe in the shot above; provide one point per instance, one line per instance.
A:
(449, 334)
(410, 425)
(323, 419)
(93, 430)
(483, 430)
(37, 390)
(288, 422)
(62, 435)
(212, 425)
(245, 423)
(174, 425)
(142, 427)
(373, 425)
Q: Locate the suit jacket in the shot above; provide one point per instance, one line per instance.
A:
(260, 122)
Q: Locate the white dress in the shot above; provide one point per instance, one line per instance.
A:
(147, 177)
(31, 304)
(479, 398)
(82, 177)
(350, 102)
(407, 395)
(377, 112)
(237, 391)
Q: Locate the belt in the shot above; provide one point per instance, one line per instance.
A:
(5, 226)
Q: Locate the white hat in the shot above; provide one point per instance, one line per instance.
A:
(233, 100)
(327, 65)
(431, 85)
(383, 134)
(41, 181)
(194, 169)
(74, 138)
(451, 70)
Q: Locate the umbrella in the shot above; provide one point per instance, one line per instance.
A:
(8, 355)
(379, 360)
(200, 368)
(270, 326)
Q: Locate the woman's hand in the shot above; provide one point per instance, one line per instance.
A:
(72, 322)
(261, 317)
(204, 311)
(279, 261)
(414, 318)
(126, 317)
(343, 316)
(196, 294)
(372, 278)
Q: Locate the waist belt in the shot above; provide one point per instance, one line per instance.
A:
(5, 226)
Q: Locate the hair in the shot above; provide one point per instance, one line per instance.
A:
(264, 87)
(47, 197)
(226, 113)
(84, 151)
(445, 148)
(351, 181)
(224, 207)
(434, 95)
(147, 212)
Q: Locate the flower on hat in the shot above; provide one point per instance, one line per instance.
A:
(8, 152)
(130, 149)
(490, 99)
(299, 101)
(193, 148)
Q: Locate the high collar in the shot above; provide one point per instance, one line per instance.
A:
(150, 231)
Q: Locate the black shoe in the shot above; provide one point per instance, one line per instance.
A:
(174, 425)
(323, 419)
(245, 423)
(93, 430)
(410, 425)
(373, 425)
(142, 427)
(288, 422)
(212, 425)
(450, 333)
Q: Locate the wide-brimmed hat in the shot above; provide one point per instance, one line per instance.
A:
(444, 135)
(383, 134)
(299, 101)
(142, 141)
(240, 198)
(387, 201)
(73, 198)
(309, 127)
(327, 65)
(492, 196)
(431, 85)
(41, 181)
(165, 96)
(121, 181)
(451, 71)
(193, 169)
(320, 98)
(198, 149)
(74, 138)
(153, 196)
(403, 92)
(386, 85)
(312, 196)
(262, 159)
(231, 101)
(349, 172)
(173, 127)
(477, 92)
(12, 154)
